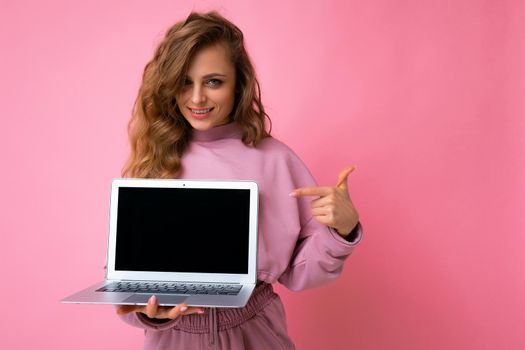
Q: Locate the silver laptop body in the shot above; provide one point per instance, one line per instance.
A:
(184, 241)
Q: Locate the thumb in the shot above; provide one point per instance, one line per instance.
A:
(343, 175)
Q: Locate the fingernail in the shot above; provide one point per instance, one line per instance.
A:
(152, 300)
(200, 312)
(183, 308)
(293, 194)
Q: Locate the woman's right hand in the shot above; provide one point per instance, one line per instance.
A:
(153, 310)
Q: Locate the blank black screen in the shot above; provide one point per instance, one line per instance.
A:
(182, 230)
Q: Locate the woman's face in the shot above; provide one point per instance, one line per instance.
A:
(208, 95)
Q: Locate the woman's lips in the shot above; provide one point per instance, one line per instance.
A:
(200, 113)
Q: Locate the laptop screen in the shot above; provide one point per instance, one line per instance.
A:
(192, 230)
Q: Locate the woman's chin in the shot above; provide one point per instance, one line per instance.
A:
(203, 125)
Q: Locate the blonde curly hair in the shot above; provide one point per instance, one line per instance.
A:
(158, 132)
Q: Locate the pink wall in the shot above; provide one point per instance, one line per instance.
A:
(426, 97)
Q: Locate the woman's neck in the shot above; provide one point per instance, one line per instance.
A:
(226, 131)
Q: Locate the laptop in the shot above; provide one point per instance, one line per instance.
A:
(184, 241)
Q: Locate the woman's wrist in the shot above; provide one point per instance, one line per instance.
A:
(351, 235)
(153, 320)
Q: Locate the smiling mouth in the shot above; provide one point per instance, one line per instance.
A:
(200, 110)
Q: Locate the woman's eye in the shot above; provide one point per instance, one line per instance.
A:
(214, 82)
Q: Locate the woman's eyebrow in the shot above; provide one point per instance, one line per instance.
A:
(213, 75)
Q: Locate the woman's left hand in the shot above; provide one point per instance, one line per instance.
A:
(334, 206)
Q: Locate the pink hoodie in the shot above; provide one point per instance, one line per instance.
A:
(293, 247)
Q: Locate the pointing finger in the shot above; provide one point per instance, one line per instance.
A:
(343, 176)
(311, 191)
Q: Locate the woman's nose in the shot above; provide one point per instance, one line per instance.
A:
(197, 95)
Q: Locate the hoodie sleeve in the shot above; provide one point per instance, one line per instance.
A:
(318, 257)
(320, 252)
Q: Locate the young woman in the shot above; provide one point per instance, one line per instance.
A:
(198, 115)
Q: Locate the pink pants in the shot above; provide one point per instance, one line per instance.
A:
(261, 324)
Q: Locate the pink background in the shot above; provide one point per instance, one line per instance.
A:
(425, 97)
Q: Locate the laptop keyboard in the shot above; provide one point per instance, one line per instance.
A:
(171, 288)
